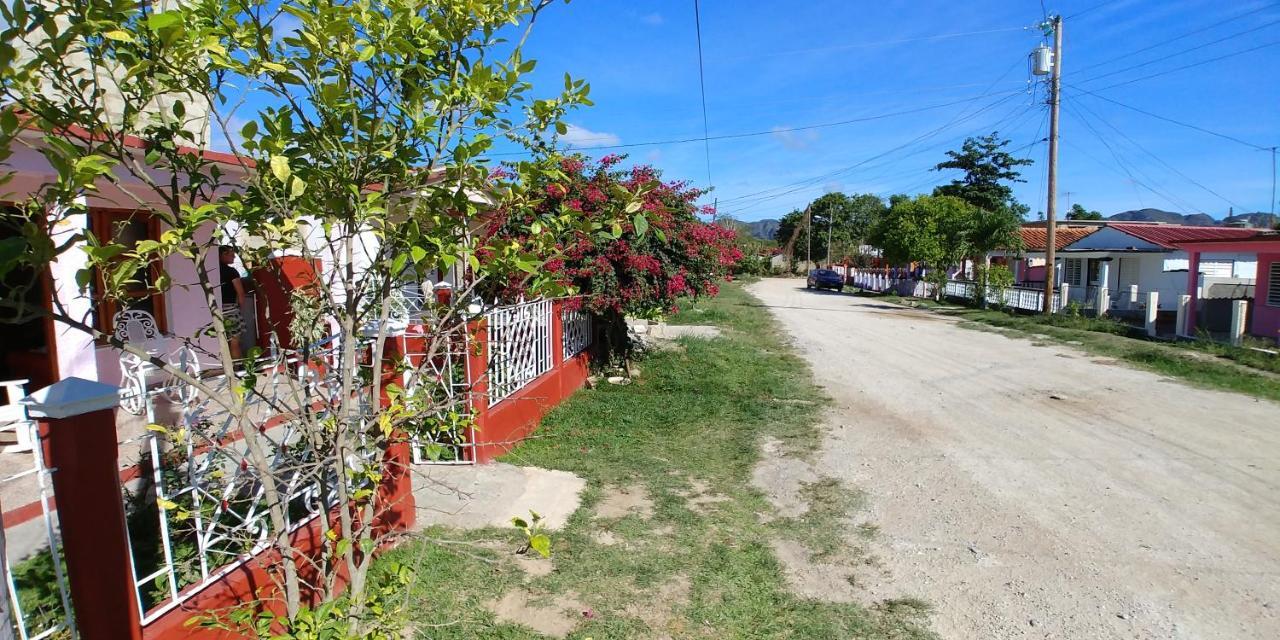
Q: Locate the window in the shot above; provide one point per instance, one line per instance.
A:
(127, 228)
(1217, 268)
(1071, 271)
(1273, 285)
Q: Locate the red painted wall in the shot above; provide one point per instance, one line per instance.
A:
(274, 284)
(503, 425)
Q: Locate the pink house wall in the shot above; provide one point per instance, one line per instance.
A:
(1266, 319)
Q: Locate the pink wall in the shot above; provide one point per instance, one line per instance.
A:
(1266, 320)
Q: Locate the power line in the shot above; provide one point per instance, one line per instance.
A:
(776, 130)
(1084, 11)
(1194, 64)
(1128, 168)
(1175, 38)
(858, 45)
(1184, 51)
(1170, 120)
(955, 120)
(702, 85)
(1157, 158)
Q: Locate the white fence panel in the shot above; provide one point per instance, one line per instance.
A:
(519, 346)
(576, 331)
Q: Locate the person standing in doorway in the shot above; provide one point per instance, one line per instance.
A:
(232, 298)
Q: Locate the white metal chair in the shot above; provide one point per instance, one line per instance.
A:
(138, 328)
(13, 417)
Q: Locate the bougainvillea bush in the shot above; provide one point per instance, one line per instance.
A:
(640, 267)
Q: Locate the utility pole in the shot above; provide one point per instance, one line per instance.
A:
(808, 236)
(831, 223)
(1051, 207)
(1273, 182)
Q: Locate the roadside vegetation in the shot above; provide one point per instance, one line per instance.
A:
(692, 557)
(1203, 363)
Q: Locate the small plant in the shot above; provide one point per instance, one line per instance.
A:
(534, 534)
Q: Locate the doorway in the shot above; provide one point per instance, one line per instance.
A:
(27, 351)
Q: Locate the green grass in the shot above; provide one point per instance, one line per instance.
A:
(695, 416)
(1202, 363)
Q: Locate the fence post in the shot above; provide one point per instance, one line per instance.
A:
(1103, 301)
(1184, 306)
(1153, 310)
(1239, 311)
(1064, 295)
(78, 434)
(1133, 295)
(557, 333)
(478, 377)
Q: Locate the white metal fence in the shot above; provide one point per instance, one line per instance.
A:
(519, 346)
(39, 600)
(198, 509)
(575, 327)
(1025, 298)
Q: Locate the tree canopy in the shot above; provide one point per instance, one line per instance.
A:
(845, 220)
(988, 169)
(1078, 212)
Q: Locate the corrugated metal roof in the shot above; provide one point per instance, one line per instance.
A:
(1037, 238)
(1168, 235)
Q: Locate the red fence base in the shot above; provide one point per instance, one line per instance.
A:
(502, 426)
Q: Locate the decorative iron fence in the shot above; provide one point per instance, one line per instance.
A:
(519, 346)
(197, 510)
(576, 331)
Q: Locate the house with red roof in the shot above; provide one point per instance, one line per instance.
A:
(1120, 263)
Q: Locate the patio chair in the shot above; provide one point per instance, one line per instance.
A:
(13, 417)
(137, 327)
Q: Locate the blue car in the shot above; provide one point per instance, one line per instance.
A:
(824, 279)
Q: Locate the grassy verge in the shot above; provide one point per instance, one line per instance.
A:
(686, 433)
(1205, 364)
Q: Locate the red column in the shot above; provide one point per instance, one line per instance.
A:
(78, 438)
(557, 334)
(477, 380)
(1193, 283)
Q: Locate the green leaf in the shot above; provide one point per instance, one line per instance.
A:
(164, 20)
(642, 225)
(296, 187)
(419, 254)
(118, 36)
(542, 544)
(280, 168)
(249, 130)
(633, 206)
(661, 236)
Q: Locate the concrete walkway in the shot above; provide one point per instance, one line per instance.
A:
(490, 495)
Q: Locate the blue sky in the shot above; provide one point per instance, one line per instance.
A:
(778, 65)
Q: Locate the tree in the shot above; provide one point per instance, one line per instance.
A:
(1080, 213)
(987, 167)
(362, 144)
(844, 220)
(934, 230)
(637, 248)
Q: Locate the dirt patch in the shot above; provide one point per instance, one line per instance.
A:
(782, 479)
(814, 579)
(534, 565)
(606, 538)
(700, 497)
(619, 503)
(556, 618)
(658, 612)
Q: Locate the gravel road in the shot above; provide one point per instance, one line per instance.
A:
(1038, 492)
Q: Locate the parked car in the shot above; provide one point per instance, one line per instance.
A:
(824, 279)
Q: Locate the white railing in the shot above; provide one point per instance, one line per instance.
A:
(198, 510)
(575, 327)
(519, 346)
(39, 598)
(1024, 298)
(438, 381)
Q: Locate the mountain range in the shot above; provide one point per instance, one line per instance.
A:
(764, 229)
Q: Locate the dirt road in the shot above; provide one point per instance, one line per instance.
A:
(1037, 492)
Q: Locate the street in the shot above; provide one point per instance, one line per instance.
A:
(1029, 491)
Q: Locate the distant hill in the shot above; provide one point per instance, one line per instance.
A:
(762, 229)
(1257, 219)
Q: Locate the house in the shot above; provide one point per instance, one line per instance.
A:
(1261, 249)
(1028, 264)
(1125, 261)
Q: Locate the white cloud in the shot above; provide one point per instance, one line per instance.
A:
(652, 19)
(583, 137)
(218, 139)
(832, 187)
(795, 140)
